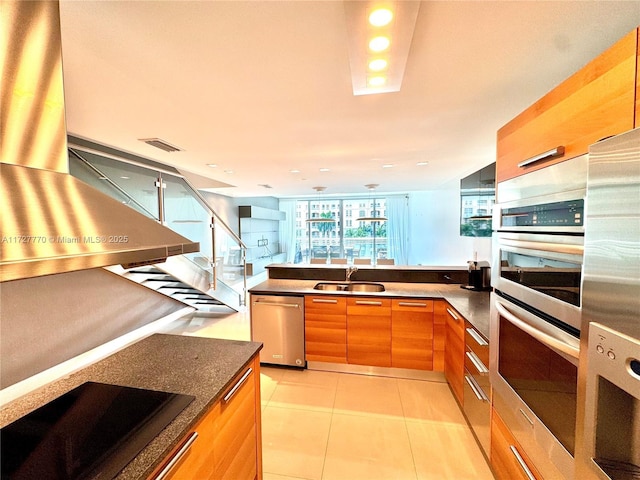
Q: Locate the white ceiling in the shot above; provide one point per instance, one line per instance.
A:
(264, 87)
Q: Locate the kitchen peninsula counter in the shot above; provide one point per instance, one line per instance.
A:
(202, 367)
(474, 306)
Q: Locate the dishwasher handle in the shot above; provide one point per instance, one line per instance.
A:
(276, 304)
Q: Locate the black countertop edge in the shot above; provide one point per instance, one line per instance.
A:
(382, 273)
(474, 306)
(202, 367)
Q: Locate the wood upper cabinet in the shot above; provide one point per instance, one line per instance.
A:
(454, 352)
(412, 334)
(596, 102)
(325, 328)
(369, 331)
(228, 443)
(508, 459)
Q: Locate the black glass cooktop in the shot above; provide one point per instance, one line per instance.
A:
(91, 432)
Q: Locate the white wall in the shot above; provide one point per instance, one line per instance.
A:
(434, 223)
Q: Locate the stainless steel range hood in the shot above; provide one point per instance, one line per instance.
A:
(52, 222)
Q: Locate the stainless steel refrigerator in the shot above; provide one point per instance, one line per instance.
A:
(608, 430)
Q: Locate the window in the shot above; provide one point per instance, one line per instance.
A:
(349, 239)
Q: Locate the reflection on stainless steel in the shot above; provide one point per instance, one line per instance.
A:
(350, 287)
(538, 249)
(534, 370)
(32, 122)
(543, 271)
(612, 419)
(51, 222)
(611, 298)
(278, 322)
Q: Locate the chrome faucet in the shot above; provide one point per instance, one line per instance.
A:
(350, 271)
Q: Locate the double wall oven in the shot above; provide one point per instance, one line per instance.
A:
(536, 310)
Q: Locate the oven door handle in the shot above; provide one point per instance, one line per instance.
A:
(545, 338)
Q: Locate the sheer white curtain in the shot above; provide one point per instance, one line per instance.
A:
(398, 228)
(287, 230)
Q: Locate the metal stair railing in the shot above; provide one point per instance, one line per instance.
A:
(217, 226)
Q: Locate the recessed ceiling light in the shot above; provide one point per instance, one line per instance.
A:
(212, 165)
(387, 165)
(379, 44)
(294, 171)
(377, 81)
(422, 164)
(125, 178)
(378, 64)
(228, 172)
(324, 169)
(380, 17)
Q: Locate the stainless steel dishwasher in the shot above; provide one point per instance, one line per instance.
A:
(278, 322)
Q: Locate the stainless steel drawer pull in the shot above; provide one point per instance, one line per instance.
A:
(553, 153)
(453, 315)
(524, 414)
(480, 367)
(368, 302)
(324, 300)
(477, 389)
(235, 388)
(178, 456)
(275, 304)
(522, 463)
(412, 304)
(476, 336)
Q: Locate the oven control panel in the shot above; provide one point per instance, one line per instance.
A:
(557, 214)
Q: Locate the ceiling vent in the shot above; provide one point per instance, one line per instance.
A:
(161, 144)
(264, 185)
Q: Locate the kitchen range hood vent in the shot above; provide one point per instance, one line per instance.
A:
(52, 222)
(161, 144)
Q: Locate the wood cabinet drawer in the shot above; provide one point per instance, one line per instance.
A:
(325, 304)
(411, 305)
(596, 102)
(368, 306)
(477, 344)
(508, 459)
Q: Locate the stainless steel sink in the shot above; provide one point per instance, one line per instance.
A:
(340, 287)
(365, 287)
(350, 287)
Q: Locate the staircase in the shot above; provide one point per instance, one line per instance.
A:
(183, 280)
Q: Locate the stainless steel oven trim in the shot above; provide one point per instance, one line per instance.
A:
(557, 340)
(568, 313)
(547, 453)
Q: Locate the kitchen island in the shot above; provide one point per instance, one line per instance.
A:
(202, 367)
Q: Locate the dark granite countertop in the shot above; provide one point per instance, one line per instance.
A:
(202, 367)
(474, 306)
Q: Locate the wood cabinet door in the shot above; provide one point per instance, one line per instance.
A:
(412, 334)
(236, 436)
(197, 460)
(369, 331)
(325, 328)
(454, 352)
(596, 102)
(439, 334)
(508, 460)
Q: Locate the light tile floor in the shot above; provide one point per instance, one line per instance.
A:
(333, 426)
